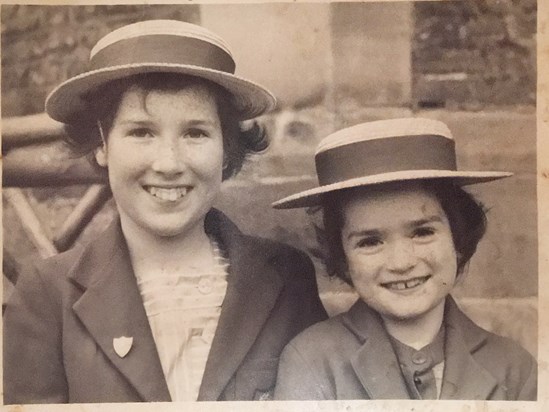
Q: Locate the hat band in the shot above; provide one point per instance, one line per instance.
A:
(164, 49)
(393, 154)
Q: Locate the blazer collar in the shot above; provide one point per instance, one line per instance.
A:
(464, 377)
(377, 368)
(111, 307)
(375, 363)
(252, 291)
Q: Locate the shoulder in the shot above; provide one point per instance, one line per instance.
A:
(489, 347)
(329, 338)
(512, 365)
(277, 252)
(53, 275)
(501, 352)
(48, 272)
(312, 362)
(287, 259)
(292, 264)
(58, 264)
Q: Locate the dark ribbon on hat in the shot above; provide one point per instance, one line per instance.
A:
(392, 154)
(165, 49)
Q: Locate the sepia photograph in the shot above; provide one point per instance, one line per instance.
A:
(334, 203)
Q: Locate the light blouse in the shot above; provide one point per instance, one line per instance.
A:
(183, 312)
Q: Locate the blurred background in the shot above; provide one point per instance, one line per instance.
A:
(471, 64)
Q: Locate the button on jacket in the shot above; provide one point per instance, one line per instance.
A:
(65, 313)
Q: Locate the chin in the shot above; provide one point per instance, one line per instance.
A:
(405, 314)
(170, 232)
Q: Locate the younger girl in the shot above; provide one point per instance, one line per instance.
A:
(400, 229)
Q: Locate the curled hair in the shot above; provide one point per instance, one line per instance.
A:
(466, 216)
(239, 141)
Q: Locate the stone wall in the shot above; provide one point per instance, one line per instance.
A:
(471, 54)
(334, 65)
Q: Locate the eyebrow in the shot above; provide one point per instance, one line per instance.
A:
(135, 121)
(202, 122)
(377, 232)
(147, 122)
(427, 220)
(364, 233)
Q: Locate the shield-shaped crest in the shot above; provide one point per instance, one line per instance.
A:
(122, 345)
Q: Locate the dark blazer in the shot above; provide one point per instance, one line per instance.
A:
(62, 318)
(350, 357)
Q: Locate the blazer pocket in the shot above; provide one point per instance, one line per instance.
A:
(256, 378)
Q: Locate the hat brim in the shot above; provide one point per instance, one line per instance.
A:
(313, 197)
(66, 102)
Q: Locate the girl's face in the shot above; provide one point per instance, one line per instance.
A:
(164, 154)
(399, 250)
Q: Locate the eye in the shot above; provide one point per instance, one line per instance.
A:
(423, 232)
(141, 132)
(369, 242)
(196, 133)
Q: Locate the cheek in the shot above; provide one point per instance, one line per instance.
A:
(445, 252)
(124, 164)
(363, 269)
(443, 260)
(208, 161)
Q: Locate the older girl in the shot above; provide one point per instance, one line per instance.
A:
(400, 229)
(172, 301)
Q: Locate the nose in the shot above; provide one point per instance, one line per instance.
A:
(401, 257)
(169, 157)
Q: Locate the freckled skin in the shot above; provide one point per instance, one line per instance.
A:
(383, 243)
(165, 138)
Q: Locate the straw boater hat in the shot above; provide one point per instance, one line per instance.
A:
(158, 46)
(385, 151)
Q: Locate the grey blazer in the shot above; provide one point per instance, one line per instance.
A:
(65, 312)
(350, 357)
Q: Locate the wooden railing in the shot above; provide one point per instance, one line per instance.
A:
(35, 156)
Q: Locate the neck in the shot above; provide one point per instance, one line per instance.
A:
(167, 254)
(417, 332)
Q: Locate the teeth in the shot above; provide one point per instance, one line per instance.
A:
(412, 283)
(399, 285)
(406, 284)
(171, 194)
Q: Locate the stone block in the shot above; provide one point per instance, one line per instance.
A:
(371, 46)
(283, 46)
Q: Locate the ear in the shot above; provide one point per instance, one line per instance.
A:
(101, 156)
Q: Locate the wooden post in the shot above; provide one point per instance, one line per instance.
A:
(31, 224)
(82, 214)
(24, 130)
(49, 164)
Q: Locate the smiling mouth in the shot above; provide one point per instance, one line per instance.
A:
(171, 194)
(406, 284)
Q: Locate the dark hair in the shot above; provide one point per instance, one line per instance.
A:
(466, 216)
(83, 135)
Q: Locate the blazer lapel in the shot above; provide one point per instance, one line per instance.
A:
(375, 363)
(464, 377)
(111, 307)
(252, 290)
